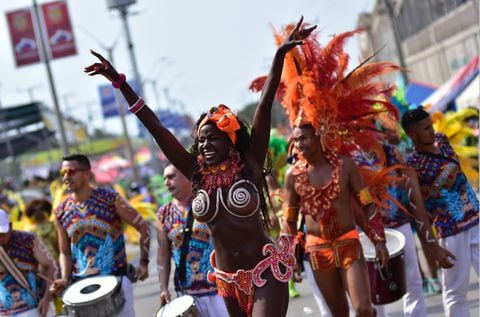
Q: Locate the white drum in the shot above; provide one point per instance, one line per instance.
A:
(98, 296)
(183, 306)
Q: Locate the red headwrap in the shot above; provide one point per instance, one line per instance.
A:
(224, 119)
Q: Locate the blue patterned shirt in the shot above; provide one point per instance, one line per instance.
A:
(199, 249)
(96, 234)
(393, 216)
(448, 196)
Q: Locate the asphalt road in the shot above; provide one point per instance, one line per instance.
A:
(146, 294)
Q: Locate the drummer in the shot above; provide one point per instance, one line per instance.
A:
(90, 234)
(450, 201)
(22, 259)
(189, 243)
(398, 215)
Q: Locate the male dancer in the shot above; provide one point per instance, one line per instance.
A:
(451, 202)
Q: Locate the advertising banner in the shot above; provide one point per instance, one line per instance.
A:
(58, 29)
(22, 34)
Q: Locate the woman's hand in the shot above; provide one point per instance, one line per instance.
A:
(103, 68)
(296, 36)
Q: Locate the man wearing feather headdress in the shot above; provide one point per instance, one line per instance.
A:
(451, 202)
(90, 234)
(331, 114)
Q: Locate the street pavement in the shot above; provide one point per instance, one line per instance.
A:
(146, 294)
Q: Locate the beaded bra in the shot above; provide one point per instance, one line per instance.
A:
(226, 175)
(318, 202)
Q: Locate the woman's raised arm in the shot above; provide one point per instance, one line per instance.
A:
(167, 142)
(262, 118)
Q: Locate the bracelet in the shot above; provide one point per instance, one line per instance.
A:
(120, 81)
(375, 229)
(365, 197)
(144, 261)
(137, 105)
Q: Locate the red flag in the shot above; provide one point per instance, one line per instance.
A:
(22, 33)
(58, 29)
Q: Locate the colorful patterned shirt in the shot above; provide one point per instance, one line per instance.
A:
(393, 216)
(199, 249)
(448, 196)
(14, 299)
(95, 232)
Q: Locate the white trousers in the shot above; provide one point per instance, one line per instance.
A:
(413, 300)
(210, 306)
(128, 310)
(456, 280)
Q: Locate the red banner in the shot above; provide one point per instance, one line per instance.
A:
(22, 33)
(58, 29)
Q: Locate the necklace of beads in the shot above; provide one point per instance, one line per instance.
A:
(223, 175)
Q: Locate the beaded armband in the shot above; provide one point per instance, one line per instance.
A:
(365, 197)
(376, 231)
(290, 213)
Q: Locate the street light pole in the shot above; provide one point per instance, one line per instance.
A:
(58, 114)
(124, 15)
(121, 112)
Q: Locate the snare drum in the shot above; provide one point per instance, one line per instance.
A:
(183, 306)
(99, 296)
(386, 285)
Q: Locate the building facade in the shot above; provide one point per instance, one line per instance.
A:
(437, 37)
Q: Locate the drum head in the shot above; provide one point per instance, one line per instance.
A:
(176, 307)
(90, 289)
(395, 244)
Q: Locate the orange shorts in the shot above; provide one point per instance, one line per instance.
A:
(327, 255)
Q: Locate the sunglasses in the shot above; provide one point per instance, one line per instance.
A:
(71, 171)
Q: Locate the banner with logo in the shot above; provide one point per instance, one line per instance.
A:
(22, 34)
(58, 29)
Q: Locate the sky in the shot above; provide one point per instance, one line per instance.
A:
(193, 54)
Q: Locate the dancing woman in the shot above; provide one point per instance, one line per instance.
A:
(225, 165)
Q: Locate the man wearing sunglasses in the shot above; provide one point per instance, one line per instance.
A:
(90, 234)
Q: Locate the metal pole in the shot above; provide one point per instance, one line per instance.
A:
(398, 42)
(121, 111)
(53, 91)
(124, 14)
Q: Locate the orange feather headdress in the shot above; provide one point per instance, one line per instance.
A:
(316, 89)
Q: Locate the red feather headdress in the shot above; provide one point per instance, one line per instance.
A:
(315, 89)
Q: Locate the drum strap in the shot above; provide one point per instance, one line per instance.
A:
(13, 269)
(187, 234)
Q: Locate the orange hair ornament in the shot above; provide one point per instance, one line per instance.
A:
(315, 89)
(224, 119)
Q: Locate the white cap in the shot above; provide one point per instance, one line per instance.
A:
(4, 221)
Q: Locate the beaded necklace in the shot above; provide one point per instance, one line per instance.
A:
(223, 175)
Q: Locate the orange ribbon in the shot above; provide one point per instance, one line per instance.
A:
(224, 119)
